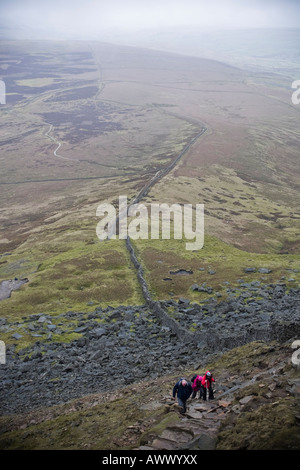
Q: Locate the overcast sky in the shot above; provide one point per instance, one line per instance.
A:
(87, 18)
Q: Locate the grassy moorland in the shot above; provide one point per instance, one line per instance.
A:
(87, 122)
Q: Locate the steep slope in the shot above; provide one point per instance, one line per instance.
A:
(92, 365)
(255, 383)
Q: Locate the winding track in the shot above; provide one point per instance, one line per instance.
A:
(58, 146)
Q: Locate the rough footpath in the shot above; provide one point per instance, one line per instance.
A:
(257, 407)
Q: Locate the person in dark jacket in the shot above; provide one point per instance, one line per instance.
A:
(183, 389)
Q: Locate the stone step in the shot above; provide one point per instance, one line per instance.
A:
(163, 444)
(178, 435)
(197, 428)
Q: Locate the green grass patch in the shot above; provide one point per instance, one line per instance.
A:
(217, 264)
(85, 276)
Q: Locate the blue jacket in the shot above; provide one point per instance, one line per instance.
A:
(183, 392)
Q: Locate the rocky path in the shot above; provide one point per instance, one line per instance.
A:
(196, 430)
(112, 362)
(199, 427)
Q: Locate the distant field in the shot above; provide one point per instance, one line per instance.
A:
(267, 51)
(87, 122)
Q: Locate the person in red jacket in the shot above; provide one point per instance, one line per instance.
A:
(207, 381)
(197, 385)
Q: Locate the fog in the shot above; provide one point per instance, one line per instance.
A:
(93, 19)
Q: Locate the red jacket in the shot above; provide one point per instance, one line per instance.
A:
(207, 381)
(197, 383)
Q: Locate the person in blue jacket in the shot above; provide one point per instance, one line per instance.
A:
(183, 389)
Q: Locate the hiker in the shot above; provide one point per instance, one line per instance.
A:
(183, 389)
(197, 385)
(207, 380)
